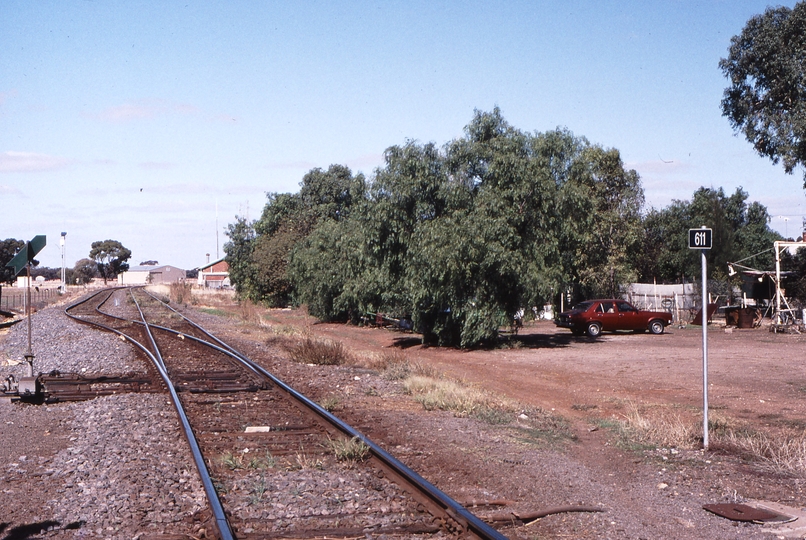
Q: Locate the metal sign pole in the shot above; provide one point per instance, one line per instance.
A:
(29, 357)
(702, 239)
(64, 268)
(704, 352)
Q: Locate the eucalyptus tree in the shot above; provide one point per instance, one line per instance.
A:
(238, 251)
(110, 256)
(766, 99)
(287, 219)
(740, 230)
(492, 253)
(83, 272)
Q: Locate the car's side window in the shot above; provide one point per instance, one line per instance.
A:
(607, 307)
(599, 309)
(625, 307)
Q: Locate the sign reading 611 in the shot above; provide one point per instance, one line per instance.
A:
(699, 238)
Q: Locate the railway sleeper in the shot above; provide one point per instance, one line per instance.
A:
(55, 387)
(336, 532)
(209, 389)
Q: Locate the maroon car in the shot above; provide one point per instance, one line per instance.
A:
(595, 316)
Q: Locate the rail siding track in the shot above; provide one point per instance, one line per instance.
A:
(256, 441)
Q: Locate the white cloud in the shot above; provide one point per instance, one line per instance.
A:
(12, 162)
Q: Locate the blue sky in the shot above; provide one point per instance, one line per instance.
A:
(146, 122)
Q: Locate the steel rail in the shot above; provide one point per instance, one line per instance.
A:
(458, 512)
(147, 327)
(221, 522)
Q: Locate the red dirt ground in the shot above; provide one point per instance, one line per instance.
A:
(756, 381)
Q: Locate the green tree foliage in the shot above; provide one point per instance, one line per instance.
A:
(329, 272)
(8, 249)
(664, 255)
(110, 257)
(601, 220)
(766, 99)
(288, 219)
(82, 272)
(47, 273)
(238, 251)
(461, 238)
(740, 230)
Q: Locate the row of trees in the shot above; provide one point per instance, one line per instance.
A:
(107, 259)
(459, 238)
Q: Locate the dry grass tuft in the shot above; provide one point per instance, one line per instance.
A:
(452, 396)
(319, 352)
(785, 454)
(667, 430)
(330, 403)
(287, 331)
(402, 368)
(249, 312)
(646, 427)
(304, 461)
(379, 361)
(180, 293)
(350, 450)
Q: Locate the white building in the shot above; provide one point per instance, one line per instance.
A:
(148, 275)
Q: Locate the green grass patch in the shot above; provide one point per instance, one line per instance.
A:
(215, 311)
(541, 428)
(257, 489)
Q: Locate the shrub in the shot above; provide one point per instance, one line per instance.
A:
(319, 352)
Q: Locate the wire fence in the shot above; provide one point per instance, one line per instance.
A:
(13, 298)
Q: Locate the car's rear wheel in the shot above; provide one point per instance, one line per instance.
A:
(656, 327)
(594, 329)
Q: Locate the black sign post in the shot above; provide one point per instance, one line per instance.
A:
(701, 239)
(22, 260)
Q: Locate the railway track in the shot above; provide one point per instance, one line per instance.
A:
(252, 435)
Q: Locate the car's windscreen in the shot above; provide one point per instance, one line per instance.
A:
(583, 306)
